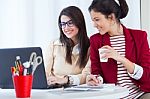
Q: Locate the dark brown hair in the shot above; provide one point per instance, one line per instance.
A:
(108, 7)
(75, 14)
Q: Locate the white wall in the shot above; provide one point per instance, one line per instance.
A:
(133, 19)
(15, 23)
(34, 22)
(145, 14)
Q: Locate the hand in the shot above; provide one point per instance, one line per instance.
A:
(93, 80)
(111, 53)
(52, 80)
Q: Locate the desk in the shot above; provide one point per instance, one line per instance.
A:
(116, 93)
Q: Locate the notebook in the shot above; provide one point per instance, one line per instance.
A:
(7, 60)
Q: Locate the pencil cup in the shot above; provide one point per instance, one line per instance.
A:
(23, 86)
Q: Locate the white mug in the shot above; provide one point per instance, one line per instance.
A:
(101, 53)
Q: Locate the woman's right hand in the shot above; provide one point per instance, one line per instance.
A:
(51, 80)
(94, 80)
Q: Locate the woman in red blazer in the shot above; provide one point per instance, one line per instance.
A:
(127, 51)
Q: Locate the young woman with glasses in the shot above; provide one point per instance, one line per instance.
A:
(67, 59)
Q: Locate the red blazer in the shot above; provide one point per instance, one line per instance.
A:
(137, 51)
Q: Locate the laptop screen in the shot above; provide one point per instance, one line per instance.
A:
(7, 60)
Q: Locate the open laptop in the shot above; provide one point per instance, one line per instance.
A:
(7, 60)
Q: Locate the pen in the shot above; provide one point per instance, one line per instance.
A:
(13, 70)
(18, 64)
(21, 70)
(99, 78)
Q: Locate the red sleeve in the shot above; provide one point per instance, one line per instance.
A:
(144, 61)
(94, 55)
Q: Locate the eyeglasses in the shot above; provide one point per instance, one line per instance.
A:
(68, 23)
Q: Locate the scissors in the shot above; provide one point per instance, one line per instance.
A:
(35, 61)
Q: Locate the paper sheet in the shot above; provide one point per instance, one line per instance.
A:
(85, 87)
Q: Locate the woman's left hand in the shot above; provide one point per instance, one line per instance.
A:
(111, 53)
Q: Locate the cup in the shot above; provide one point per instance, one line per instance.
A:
(23, 86)
(101, 53)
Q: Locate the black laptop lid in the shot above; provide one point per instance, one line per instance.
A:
(7, 60)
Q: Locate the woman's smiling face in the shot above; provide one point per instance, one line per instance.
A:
(68, 27)
(100, 21)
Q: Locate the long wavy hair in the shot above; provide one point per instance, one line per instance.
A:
(75, 14)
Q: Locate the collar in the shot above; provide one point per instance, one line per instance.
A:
(75, 49)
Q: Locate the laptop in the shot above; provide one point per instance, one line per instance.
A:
(7, 60)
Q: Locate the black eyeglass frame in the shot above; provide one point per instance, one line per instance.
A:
(69, 23)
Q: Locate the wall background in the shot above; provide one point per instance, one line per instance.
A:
(26, 23)
(145, 16)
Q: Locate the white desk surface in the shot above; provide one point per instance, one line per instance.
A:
(114, 93)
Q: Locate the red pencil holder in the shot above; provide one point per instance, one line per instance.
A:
(23, 86)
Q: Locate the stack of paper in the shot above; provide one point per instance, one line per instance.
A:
(85, 87)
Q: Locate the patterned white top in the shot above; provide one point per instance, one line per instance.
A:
(123, 78)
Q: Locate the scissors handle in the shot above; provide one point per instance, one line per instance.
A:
(36, 63)
(38, 60)
(32, 57)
